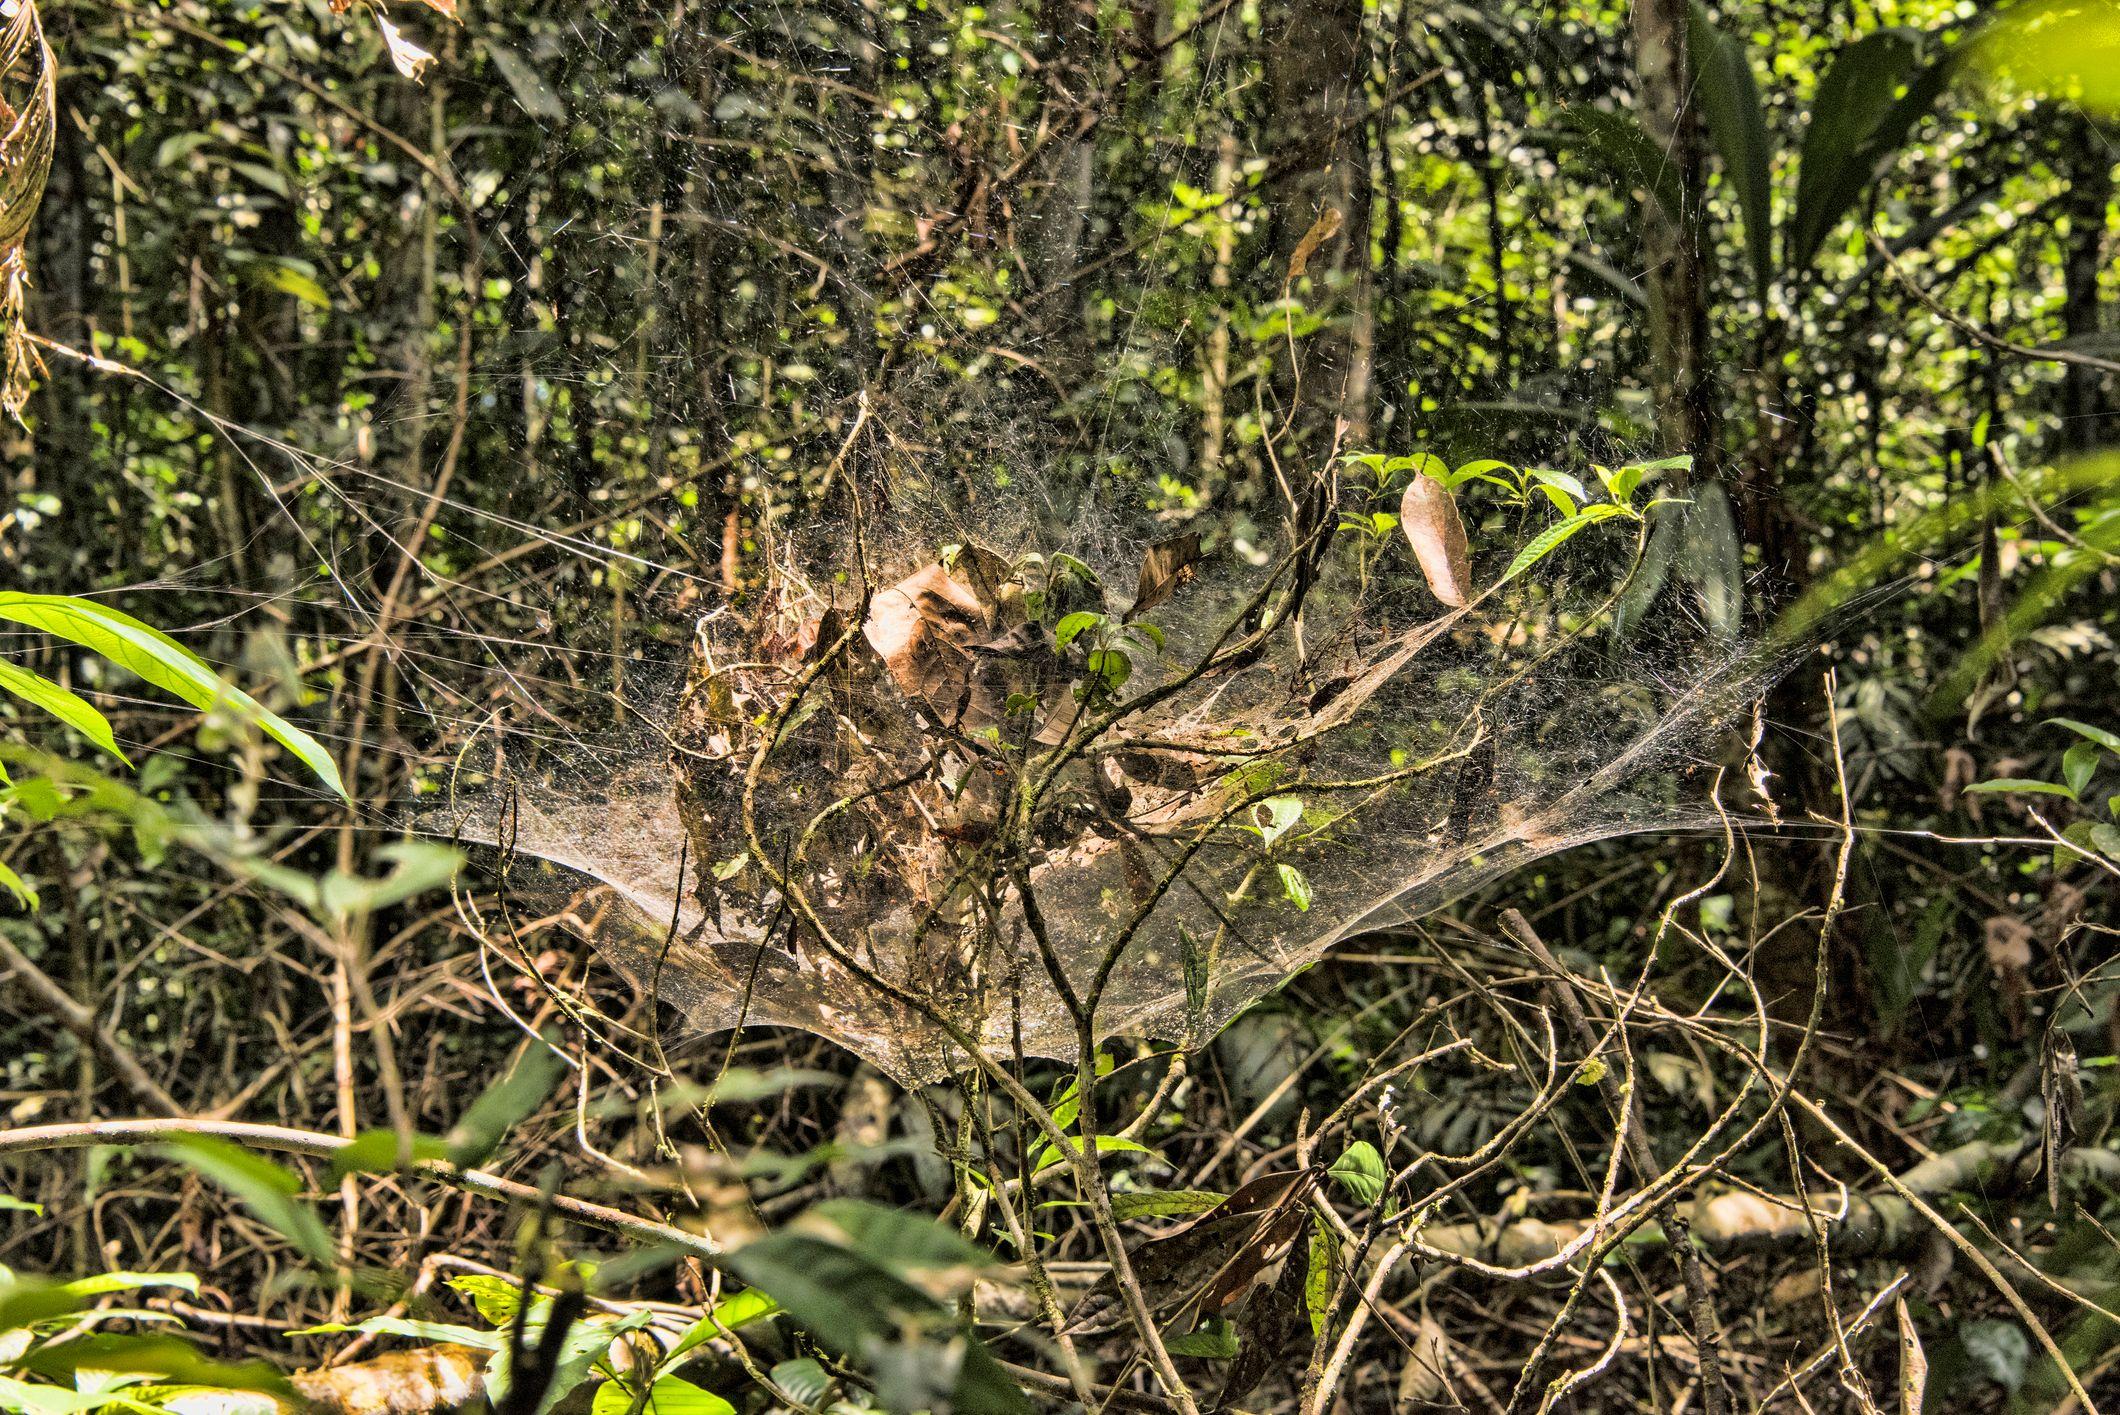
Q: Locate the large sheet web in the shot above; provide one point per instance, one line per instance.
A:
(974, 768)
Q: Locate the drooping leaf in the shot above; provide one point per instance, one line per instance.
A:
(2108, 740)
(267, 1189)
(154, 657)
(1737, 123)
(411, 60)
(501, 1105)
(1617, 145)
(62, 703)
(1428, 515)
(1858, 122)
(1556, 535)
(528, 86)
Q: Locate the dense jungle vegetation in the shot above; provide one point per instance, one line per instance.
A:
(1140, 705)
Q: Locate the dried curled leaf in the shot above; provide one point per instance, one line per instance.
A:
(1428, 514)
(411, 60)
(1164, 570)
(29, 106)
(1321, 230)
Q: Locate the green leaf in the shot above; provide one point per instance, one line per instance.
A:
(156, 658)
(1294, 888)
(268, 1190)
(853, 1305)
(452, 1332)
(1106, 1144)
(1317, 1277)
(2078, 765)
(289, 281)
(1360, 1169)
(1163, 1203)
(2064, 49)
(898, 1239)
(14, 884)
(1857, 124)
(1216, 1340)
(804, 1379)
(1555, 536)
(503, 1104)
(730, 1313)
(1282, 814)
(2103, 738)
(498, 1299)
(378, 1152)
(9, 1202)
(668, 1396)
(1622, 150)
(1738, 125)
(2018, 784)
(1073, 626)
(62, 703)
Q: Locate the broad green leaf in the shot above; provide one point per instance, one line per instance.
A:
(668, 1396)
(727, 1315)
(1216, 1340)
(498, 1299)
(1073, 626)
(853, 1305)
(2064, 49)
(1106, 1144)
(899, 1239)
(1281, 815)
(529, 87)
(62, 703)
(1858, 123)
(267, 1189)
(1317, 1276)
(378, 1152)
(1618, 146)
(1738, 125)
(156, 658)
(2078, 765)
(1361, 1170)
(2105, 739)
(805, 1379)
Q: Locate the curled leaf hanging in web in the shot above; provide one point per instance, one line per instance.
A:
(28, 126)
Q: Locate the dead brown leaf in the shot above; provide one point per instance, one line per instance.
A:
(1428, 514)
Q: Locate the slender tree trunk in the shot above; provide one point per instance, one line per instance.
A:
(2087, 409)
(1687, 417)
(1317, 71)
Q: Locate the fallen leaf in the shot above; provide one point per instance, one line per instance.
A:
(1428, 514)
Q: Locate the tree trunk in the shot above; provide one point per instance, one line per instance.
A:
(1316, 74)
(1687, 417)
